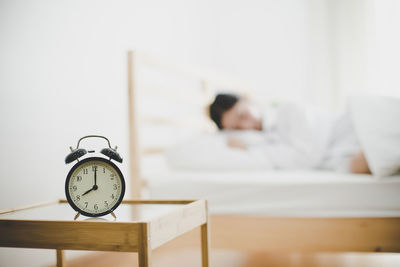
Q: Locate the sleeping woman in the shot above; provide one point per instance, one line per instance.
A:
(291, 136)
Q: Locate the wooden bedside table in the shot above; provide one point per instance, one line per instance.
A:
(141, 226)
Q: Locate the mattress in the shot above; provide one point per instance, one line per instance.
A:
(302, 193)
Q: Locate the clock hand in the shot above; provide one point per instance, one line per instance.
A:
(95, 177)
(91, 189)
(95, 183)
(87, 191)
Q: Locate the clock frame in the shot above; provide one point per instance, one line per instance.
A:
(110, 165)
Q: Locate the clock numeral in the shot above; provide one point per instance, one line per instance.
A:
(74, 188)
(112, 196)
(79, 178)
(85, 171)
(86, 203)
(115, 187)
(104, 170)
(106, 203)
(78, 197)
(112, 176)
(96, 207)
(94, 168)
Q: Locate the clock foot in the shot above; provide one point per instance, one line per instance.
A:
(76, 216)
(112, 213)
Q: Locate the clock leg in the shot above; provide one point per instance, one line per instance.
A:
(60, 258)
(76, 216)
(113, 214)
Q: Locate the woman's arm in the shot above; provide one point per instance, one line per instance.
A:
(358, 164)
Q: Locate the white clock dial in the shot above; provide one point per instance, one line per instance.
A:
(95, 187)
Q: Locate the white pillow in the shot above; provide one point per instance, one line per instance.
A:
(210, 152)
(377, 124)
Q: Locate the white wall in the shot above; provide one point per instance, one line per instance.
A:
(62, 76)
(266, 44)
(364, 42)
(383, 49)
(63, 71)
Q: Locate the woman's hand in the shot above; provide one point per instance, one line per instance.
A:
(236, 143)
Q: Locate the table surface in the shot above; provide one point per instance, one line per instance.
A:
(140, 226)
(64, 212)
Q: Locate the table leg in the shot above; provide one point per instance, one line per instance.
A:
(205, 246)
(60, 258)
(144, 249)
(144, 256)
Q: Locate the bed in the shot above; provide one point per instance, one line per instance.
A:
(250, 209)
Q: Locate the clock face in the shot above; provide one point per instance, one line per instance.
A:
(94, 187)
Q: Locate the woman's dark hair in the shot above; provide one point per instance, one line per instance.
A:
(221, 104)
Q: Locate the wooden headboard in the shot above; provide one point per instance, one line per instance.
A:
(162, 83)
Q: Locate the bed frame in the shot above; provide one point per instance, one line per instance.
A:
(258, 232)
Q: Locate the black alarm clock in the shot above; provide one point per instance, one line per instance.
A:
(94, 186)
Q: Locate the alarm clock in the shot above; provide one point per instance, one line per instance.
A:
(94, 186)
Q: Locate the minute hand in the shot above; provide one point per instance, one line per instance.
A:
(95, 177)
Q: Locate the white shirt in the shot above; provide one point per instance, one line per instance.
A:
(297, 138)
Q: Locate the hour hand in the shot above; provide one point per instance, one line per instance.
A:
(87, 191)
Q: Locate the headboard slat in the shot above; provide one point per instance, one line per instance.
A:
(163, 93)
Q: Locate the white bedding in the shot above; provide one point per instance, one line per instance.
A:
(277, 193)
(376, 124)
(293, 137)
(296, 137)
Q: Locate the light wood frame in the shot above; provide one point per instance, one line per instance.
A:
(136, 236)
(269, 233)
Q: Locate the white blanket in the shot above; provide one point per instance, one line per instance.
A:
(294, 137)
